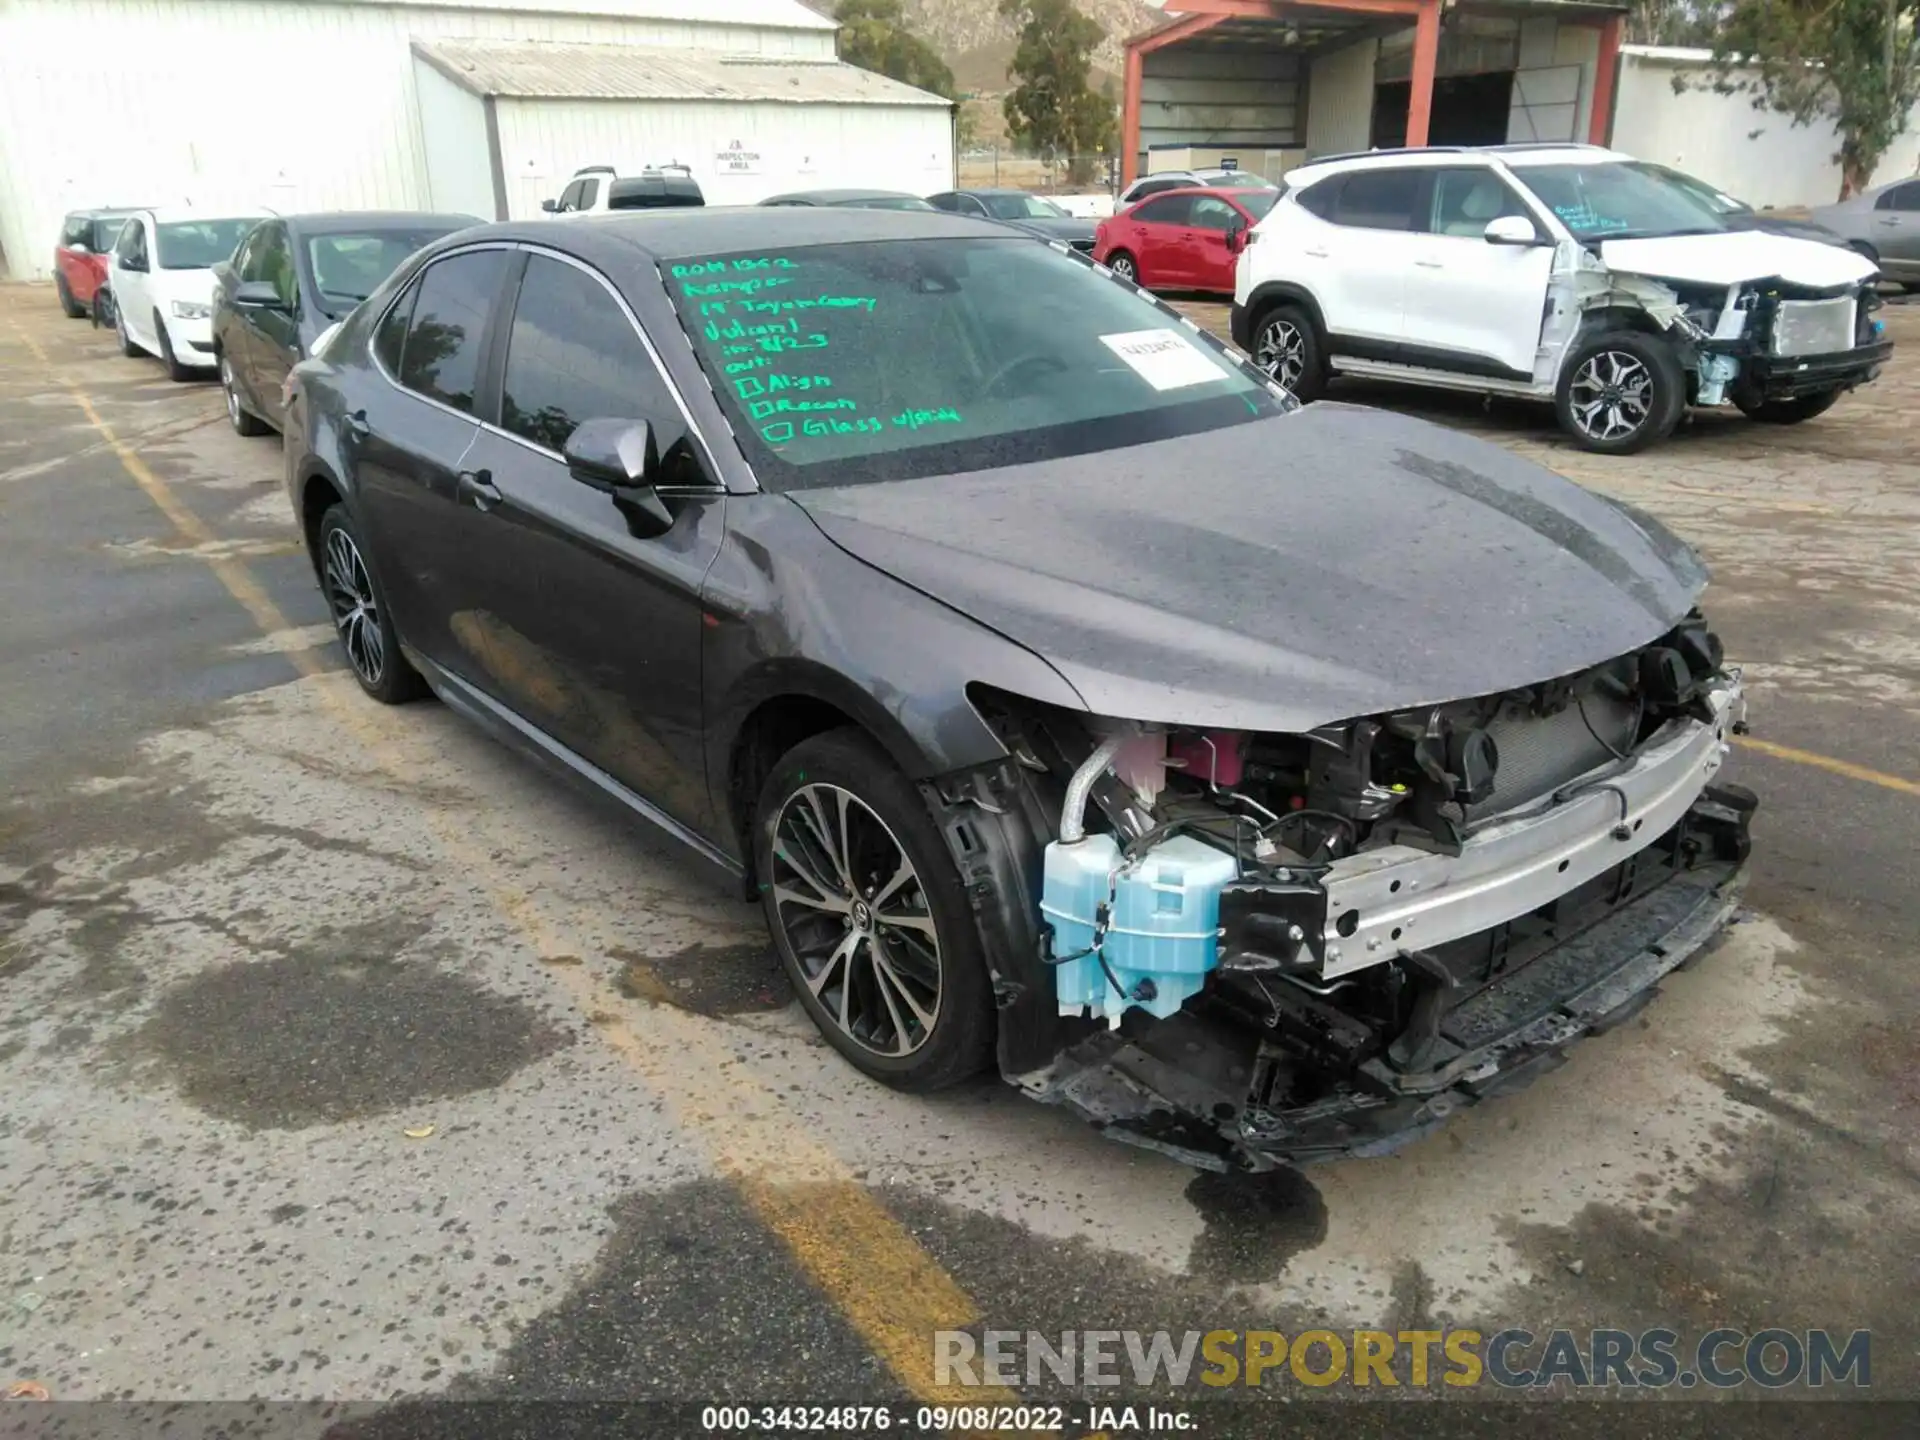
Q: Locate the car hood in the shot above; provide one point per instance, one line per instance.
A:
(1064, 227)
(1284, 573)
(1732, 256)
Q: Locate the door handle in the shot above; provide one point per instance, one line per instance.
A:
(477, 487)
(1429, 264)
(1889, 220)
(357, 426)
(1316, 254)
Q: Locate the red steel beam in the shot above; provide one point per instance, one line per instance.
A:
(1426, 57)
(1606, 67)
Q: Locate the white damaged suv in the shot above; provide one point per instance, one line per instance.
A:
(1568, 273)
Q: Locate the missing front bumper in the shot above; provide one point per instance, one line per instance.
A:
(1215, 1086)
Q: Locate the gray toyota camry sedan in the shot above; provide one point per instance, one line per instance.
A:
(1261, 781)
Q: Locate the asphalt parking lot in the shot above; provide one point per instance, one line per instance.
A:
(344, 1057)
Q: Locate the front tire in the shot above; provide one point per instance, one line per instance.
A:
(1124, 265)
(360, 615)
(868, 915)
(73, 308)
(1788, 412)
(128, 347)
(1287, 347)
(243, 420)
(1620, 391)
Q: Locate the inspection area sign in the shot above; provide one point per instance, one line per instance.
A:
(737, 157)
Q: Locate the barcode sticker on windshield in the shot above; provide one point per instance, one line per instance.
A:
(1165, 359)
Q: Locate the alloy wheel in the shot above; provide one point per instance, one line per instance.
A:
(233, 396)
(854, 914)
(356, 614)
(1611, 395)
(1122, 265)
(1281, 351)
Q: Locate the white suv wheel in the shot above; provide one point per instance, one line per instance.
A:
(1281, 350)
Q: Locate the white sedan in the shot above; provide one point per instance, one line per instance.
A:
(161, 279)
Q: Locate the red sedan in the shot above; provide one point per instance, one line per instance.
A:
(1182, 239)
(80, 259)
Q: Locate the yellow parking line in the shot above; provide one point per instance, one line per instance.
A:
(1827, 762)
(893, 1293)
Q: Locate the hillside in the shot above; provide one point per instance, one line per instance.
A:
(971, 36)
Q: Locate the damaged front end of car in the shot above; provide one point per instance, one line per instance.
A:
(1749, 343)
(1251, 949)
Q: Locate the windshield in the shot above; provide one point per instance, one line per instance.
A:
(1717, 201)
(346, 268)
(1258, 203)
(884, 360)
(1021, 207)
(200, 244)
(105, 230)
(1620, 200)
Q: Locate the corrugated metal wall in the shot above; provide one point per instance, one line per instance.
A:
(799, 147)
(1340, 100)
(1195, 95)
(305, 105)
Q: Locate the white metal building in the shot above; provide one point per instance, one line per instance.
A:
(318, 104)
(1760, 156)
(505, 121)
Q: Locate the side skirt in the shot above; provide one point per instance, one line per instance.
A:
(504, 725)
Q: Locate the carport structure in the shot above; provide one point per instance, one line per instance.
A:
(1267, 84)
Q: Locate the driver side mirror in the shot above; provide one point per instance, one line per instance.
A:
(552, 207)
(1236, 235)
(617, 458)
(258, 295)
(1513, 230)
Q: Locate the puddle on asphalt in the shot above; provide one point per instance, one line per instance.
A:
(1254, 1224)
(710, 980)
(337, 1028)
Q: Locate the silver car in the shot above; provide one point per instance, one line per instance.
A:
(1884, 225)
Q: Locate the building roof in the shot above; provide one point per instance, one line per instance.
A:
(766, 14)
(547, 70)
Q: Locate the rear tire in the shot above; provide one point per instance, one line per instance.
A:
(176, 372)
(1788, 412)
(360, 615)
(243, 420)
(1619, 391)
(73, 308)
(1122, 263)
(868, 915)
(1287, 347)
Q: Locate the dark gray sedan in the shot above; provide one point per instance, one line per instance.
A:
(1035, 214)
(1260, 781)
(290, 279)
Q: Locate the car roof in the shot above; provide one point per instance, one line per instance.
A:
(173, 214)
(373, 222)
(841, 197)
(1210, 190)
(619, 237)
(1513, 156)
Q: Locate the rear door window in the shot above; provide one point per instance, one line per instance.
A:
(1901, 197)
(1378, 200)
(1168, 210)
(446, 335)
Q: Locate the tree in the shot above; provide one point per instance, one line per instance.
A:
(874, 35)
(1054, 107)
(1853, 63)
